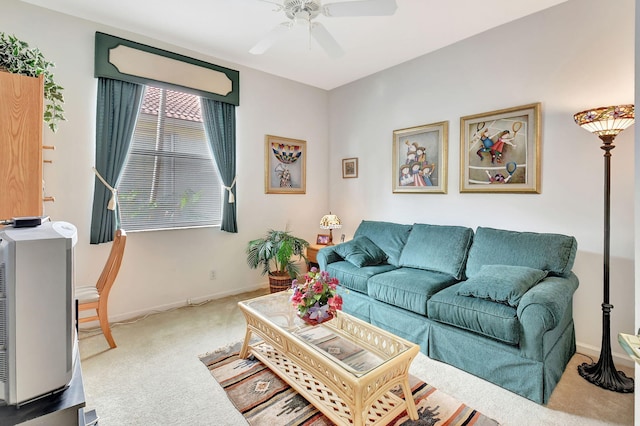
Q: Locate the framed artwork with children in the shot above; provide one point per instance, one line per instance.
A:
(420, 159)
(500, 151)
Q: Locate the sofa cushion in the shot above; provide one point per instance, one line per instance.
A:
(554, 253)
(485, 317)
(408, 288)
(437, 248)
(361, 251)
(353, 277)
(501, 283)
(390, 237)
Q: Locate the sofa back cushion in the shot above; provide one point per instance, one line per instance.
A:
(553, 253)
(437, 248)
(390, 237)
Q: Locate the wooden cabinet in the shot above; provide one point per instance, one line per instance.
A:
(21, 110)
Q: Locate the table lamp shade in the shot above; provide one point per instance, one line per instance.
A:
(330, 221)
(606, 121)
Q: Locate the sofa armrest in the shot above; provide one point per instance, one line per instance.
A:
(327, 255)
(543, 308)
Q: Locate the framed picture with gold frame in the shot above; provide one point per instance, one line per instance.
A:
(420, 159)
(500, 150)
(284, 165)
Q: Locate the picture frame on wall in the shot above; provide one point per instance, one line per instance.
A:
(349, 168)
(500, 150)
(284, 165)
(420, 159)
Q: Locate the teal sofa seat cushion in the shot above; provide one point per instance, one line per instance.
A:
(495, 320)
(437, 248)
(408, 288)
(390, 237)
(502, 283)
(361, 251)
(353, 277)
(554, 253)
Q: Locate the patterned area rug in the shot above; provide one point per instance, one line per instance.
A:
(264, 399)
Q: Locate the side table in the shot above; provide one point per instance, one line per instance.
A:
(312, 252)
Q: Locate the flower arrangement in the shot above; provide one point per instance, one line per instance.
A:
(315, 296)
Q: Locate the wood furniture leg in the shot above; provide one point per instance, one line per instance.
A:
(408, 397)
(244, 352)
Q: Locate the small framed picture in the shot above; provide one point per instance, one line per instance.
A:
(322, 239)
(500, 151)
(349, 168)
(420, 159)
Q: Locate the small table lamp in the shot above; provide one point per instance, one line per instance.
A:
(606, 123)
(330, 222)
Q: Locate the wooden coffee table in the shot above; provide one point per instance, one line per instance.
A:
(345, 367)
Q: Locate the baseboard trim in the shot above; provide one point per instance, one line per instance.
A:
(594, 352)
(169, 306)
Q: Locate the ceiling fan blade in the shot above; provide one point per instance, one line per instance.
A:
(270, 39)
(326, 40)
(361, 8)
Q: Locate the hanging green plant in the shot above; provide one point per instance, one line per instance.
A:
(17, 57)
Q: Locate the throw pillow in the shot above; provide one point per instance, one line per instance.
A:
(361, 251)
(502, 283)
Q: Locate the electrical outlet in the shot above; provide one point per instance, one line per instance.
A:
(212, 274)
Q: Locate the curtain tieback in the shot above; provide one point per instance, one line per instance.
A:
(114, 191)
(232, 198)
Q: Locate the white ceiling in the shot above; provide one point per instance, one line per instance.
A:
(227, 29)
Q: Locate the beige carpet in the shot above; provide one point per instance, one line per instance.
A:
(154, 377)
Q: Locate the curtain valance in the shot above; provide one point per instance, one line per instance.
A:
(125, 60)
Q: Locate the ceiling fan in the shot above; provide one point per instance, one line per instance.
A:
(303, 12)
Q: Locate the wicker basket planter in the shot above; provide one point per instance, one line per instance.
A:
(279, 282)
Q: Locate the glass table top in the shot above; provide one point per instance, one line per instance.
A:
(343, 349)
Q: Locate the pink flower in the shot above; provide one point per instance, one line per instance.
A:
(317, 287)
(296, 298)
(335, 302)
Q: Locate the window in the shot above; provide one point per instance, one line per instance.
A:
(170, 179)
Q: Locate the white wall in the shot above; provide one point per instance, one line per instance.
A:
(574, 56)
(163, 269)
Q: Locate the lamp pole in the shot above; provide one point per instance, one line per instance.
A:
(603, 373)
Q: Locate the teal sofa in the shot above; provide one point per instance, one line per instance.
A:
(494, 303)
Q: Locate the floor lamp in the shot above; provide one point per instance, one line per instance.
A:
(606, 123)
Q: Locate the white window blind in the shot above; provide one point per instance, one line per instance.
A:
(170, 179)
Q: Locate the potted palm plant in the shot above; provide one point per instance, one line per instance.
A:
(275, 254)
(17, 57)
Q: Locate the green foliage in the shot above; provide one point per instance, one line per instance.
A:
(274, 252)
(17, 57)
(189, 197)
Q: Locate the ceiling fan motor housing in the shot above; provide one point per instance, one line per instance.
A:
(303, 12)
(308, 9)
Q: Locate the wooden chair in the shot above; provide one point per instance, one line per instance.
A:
(97, 297)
